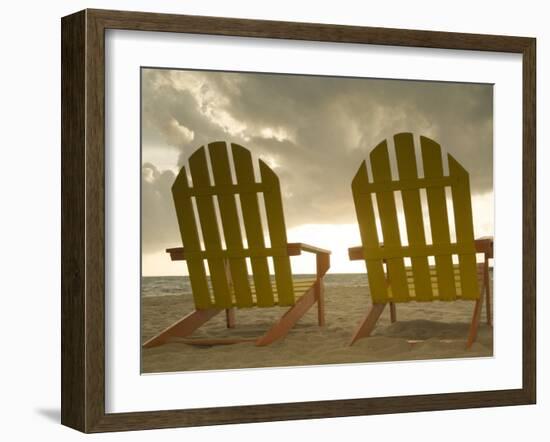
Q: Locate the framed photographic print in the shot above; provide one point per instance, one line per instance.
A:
(270, 220)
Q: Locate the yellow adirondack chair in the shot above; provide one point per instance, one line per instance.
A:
(230, 284)
(390, 279)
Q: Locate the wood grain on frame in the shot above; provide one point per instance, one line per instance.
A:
(83, 217)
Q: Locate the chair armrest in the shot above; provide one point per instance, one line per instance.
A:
(485, 245)
(323, 256)
(296, 248)
(176, 254)
(482, 245)
(355, 253)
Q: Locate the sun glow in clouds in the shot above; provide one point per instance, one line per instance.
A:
(334, 237)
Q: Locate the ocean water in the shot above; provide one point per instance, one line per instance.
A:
(179, 285)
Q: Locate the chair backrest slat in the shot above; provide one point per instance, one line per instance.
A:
(381, 172)
(369, 234)
(189, 233)
(439, 220)
(209, 227)
(244, 171)
(412, 206)
(238, 273)
(462, 207)
(277, 234)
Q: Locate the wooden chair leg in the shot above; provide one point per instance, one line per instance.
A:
(230, 317)
(393, 313)
(323, 264)
(287, 321)
(472, 334)
(367, 325)
(184, 327)
(320, 297)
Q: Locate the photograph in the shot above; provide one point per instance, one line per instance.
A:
(300, 220)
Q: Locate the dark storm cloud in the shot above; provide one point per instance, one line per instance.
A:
(314, 130)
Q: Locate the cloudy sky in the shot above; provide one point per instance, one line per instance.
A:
(314, 132)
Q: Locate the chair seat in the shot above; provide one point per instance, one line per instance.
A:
(435, 286)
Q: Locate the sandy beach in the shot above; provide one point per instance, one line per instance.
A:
(431, 330)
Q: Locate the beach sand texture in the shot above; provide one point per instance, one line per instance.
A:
(428, 330)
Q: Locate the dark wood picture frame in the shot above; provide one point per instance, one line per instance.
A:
(83, 216)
